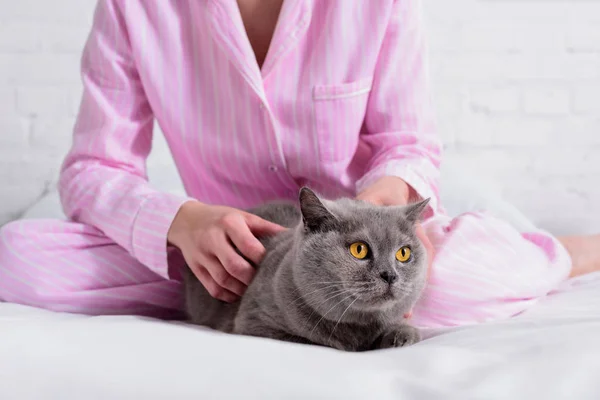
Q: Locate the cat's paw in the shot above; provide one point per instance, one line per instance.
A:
(401, 336)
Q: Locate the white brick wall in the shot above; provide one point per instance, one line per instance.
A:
(518, 92)
(40, 47)
(517, 87)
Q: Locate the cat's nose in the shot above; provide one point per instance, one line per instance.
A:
(389, 276)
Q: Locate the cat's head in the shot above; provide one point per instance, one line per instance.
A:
(354, 252)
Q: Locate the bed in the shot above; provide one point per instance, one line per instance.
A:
(551, 351)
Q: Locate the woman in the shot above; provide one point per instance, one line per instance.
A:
(257, 98)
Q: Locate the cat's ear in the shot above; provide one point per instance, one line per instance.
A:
(315, 215)
(413, 212)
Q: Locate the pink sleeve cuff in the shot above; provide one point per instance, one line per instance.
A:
(150, 229)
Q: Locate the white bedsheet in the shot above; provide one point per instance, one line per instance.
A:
(552, 351)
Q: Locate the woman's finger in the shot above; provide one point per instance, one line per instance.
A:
(215, 290)
(220, 246)
(235, 265)
(219, 273)
(261, 227)
(244, 240)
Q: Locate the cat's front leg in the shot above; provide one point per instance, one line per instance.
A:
(399, 336)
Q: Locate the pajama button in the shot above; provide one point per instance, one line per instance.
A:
(273, 168)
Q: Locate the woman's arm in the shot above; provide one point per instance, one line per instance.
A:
(400, 122)
(103, 180)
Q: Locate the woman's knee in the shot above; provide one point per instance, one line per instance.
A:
(22, 237)
(28, 267)
(12, 237)
(13, 249)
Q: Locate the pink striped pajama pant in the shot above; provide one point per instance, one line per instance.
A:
(483, 270)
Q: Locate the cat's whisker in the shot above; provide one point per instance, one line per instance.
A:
(316, 290)
(341, 316)
(336, 304)
(342, 282)
(345, 283)
(333, 296)
(356, 285)
(316, 307)
(304, 296)
(310, 299)
(406, 288)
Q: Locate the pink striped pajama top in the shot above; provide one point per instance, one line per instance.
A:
(340, 101)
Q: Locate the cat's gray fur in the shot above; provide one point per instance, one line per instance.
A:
(309, 289)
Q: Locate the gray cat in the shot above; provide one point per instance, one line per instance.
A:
(343, 276)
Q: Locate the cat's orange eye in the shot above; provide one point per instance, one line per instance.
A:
(403, 255)
(359, 250)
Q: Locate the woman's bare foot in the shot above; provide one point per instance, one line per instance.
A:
(585, 253)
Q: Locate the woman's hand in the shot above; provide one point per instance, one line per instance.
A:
(207, 235)
(387, 191)
(393, 191)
